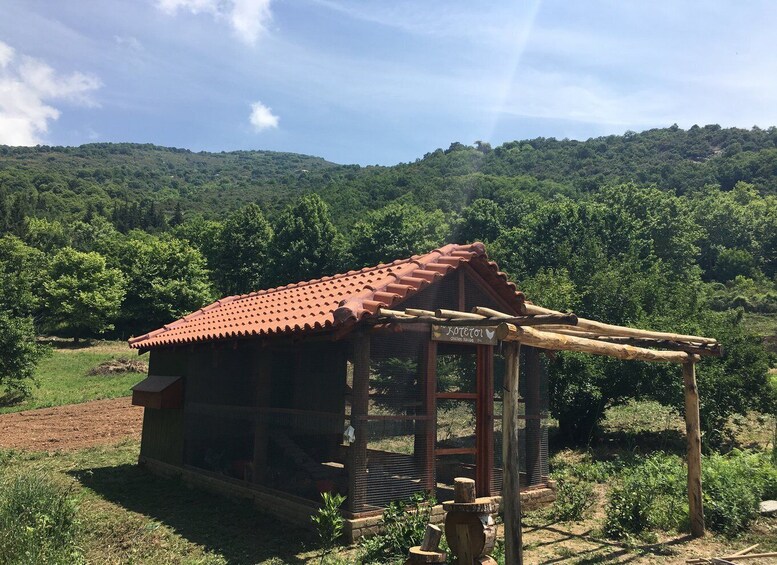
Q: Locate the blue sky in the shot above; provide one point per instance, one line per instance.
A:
(376, 82)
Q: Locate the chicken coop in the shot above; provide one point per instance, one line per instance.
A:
(283, 394)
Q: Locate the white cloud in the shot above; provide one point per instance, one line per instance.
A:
(27, 88)
(129, 42)
(262, 117)
(248, 18)
(6, 54)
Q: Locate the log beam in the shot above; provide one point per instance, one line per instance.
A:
(693, 433)
(608, 329)
(561, 342)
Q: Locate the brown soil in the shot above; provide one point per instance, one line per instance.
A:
(71, 427)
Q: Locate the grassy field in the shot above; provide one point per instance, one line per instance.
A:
(63, 376)
(127, 515)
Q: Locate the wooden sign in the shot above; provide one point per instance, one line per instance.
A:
(478, 335)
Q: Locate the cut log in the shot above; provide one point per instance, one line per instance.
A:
(560, 342)
(432, 537)
(463, 490)
(484, 504)
(418, 555)
(470, 535)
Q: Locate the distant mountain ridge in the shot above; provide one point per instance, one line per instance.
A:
(68, 182)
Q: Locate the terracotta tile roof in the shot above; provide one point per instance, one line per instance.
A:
(328, 302)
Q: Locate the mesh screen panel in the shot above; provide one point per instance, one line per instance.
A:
(395, 464)
(273, 417)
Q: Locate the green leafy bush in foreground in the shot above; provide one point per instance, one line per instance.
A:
(329, 522)
(38, 522)
(653, 494)
(403, 524)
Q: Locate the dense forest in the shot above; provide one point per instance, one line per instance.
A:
(668, 229)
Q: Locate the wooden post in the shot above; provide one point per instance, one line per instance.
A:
(533, 423)
(484, 467)
(693, 432)
(262, 360)
(511, 490)
(360, 400)
(426, 435)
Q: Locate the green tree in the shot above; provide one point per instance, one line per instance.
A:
(166, 278)
(396, 231)
(307, 244)
(22, 276)
(19, 355)
(48, 236)
(483, 220)
(242, 253)
(83, 295)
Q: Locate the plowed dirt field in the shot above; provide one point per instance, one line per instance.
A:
(73, 426)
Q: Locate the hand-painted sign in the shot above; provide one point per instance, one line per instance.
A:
(480, 335)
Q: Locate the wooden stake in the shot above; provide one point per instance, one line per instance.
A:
(560, 342)
(693, 433)
(511, 492)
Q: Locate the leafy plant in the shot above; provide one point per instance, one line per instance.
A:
(573, 499)
(329, 521)
(403, 525)
(38, 522)
(648, 495)
(733, 486)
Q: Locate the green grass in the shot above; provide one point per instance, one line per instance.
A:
(764, 325)
(131, 516)
(63, 377)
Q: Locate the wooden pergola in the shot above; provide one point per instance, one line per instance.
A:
(551, 330)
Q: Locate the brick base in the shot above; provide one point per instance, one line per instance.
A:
(298, 511)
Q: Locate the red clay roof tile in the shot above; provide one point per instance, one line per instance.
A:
(327, 302)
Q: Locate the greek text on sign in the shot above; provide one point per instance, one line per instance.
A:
(481, 335)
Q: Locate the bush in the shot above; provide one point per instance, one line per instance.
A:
(38, 522)
(329, 521)
(573, 499)
(653, 494)
(404, 523)
(649, 495)
(19, 355)
(733, 486)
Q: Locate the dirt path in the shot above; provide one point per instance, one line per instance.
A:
(73, 426)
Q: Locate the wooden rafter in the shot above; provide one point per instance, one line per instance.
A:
(567, 332)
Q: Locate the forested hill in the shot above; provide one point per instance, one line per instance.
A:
(666, 229)
(67, 182)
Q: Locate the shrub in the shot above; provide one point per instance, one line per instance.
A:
(403, 523)
(648, 495)
(573, 499)
(733, 486)
(38, 522)
(329, 521)
(653, 494)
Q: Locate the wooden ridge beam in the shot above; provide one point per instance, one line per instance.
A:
(560, 342)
